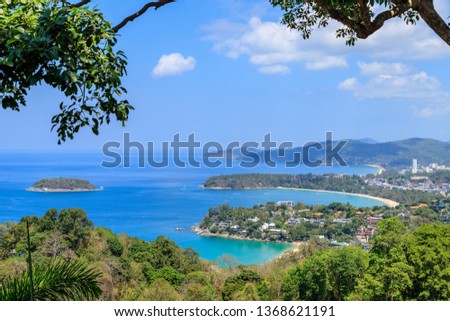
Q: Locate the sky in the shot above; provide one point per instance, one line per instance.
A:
(227, 70)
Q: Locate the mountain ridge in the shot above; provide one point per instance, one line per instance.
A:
(397, 153)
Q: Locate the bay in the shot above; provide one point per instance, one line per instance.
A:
(147, 202)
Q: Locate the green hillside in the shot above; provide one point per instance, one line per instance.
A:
(390, 154)
(398, 153)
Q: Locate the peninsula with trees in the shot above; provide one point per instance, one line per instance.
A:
(390, 187)
(413, 199)
(62, 185)
(336, 224)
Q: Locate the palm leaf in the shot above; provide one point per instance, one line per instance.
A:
(62, 280)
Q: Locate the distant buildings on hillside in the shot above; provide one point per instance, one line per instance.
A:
(415, 168)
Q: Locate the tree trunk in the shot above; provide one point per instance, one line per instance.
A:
(428, 13)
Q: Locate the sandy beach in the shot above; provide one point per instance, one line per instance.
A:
(380, 168)
(295, 249)
(385, 201)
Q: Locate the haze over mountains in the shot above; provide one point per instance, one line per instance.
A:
(390, 154)
(366, 140)
(397, 153)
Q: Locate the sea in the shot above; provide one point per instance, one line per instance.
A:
(148, 202)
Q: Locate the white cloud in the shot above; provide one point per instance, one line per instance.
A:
(391, 81)
(429, 112)
(271, 43)
(274, 69)
(392, 86)
(398, 81)
(348, 84)
(397, 40)
(327, 63)
(173, 64)
(376, 68)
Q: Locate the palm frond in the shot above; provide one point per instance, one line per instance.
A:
(62, 280)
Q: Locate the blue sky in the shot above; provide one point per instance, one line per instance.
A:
(227, 70)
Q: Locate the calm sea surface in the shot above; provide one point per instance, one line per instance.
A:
(147, 202)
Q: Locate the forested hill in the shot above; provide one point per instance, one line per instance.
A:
(62, 184)
(328, 182)
(402, 264)
(397, 153)
(391, 154)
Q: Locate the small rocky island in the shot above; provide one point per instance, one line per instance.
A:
(62, 185)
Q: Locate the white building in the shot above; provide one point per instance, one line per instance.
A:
(287, 203)
(414, 166)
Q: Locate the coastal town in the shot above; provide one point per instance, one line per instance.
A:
(338, 224)
(417, 178)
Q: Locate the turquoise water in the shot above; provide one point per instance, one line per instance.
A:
(150, 202)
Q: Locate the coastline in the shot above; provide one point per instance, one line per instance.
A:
(201, 232)
(61, 190)
(387, 202)
(381, 169)
(295, 249)
(294, 246)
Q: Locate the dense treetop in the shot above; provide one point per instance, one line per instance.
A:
(403, 263)
(360, 18)
(70, 47)
(69, 184)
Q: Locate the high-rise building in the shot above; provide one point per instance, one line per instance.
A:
(414, 166)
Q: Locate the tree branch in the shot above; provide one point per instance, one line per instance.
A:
(381, 18)
(156, 5)
(365, 12)
(337, 15)
(369, 27)
(79, 4)
(428, 13)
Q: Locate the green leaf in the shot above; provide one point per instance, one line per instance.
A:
(73, 76)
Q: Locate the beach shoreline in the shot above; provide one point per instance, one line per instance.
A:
(294, 246)
(381, 169)
(387, 202)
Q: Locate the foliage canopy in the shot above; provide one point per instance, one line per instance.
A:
(68, 48)
(360, 18)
